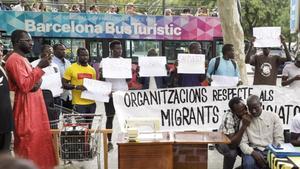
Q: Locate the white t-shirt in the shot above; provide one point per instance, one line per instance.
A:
(295, 127)
(117, 84)
(291, 70)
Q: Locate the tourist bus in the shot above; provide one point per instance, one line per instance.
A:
(169, 35)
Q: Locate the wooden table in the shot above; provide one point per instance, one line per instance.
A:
(179, 150)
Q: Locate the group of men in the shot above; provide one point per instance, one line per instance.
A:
(29, 118)
(249, 128)
(252, 129)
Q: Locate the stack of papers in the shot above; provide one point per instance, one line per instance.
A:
(150, 136)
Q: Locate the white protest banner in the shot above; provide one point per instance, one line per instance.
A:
(116, 68)
(267, 37)
(200, 108)
(96, 90)
(223, 81)
(191, 63)
(53, 83)
(152, 66)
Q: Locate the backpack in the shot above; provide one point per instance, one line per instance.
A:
(217, 63)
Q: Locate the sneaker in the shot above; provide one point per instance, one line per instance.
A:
(110, 146)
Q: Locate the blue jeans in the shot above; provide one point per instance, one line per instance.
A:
(86, 109)
(250, 163)
(229, 155)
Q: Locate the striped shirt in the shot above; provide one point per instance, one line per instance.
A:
(230, 123)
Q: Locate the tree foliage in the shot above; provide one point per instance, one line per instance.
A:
(256, 13)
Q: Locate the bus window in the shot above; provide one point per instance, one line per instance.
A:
(219, 45)
(95, 51)
(137, 48)
(72, 45)
(172, 48)
(75, 44)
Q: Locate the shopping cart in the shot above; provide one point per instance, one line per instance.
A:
(76, 139)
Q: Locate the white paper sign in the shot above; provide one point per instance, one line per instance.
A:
(267, 37)
(53, 83)
(152, 66)
(222, 81)
(96, 90)
(191, 63)
(51, 78)
(117, 68)
(200, 108)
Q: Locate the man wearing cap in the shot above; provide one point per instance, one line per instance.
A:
(291, 74)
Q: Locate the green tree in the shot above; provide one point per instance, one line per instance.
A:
(257, 13)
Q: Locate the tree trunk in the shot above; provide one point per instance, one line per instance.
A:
(233, 32)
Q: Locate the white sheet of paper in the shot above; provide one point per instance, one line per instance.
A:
(267, 37)
(96, 90)
(53, 83)
(224, 81)
(191, 63)
(150, 136)
(117, 68)
(152, 66)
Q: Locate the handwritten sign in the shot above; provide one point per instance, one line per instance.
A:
(96, 90)
(191, 63)
(117, 68)
(267, 37)
(222, 81)
(152, 66)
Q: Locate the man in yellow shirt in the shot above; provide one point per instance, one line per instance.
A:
(73, 80)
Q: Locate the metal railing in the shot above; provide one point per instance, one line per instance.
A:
(149, 8)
